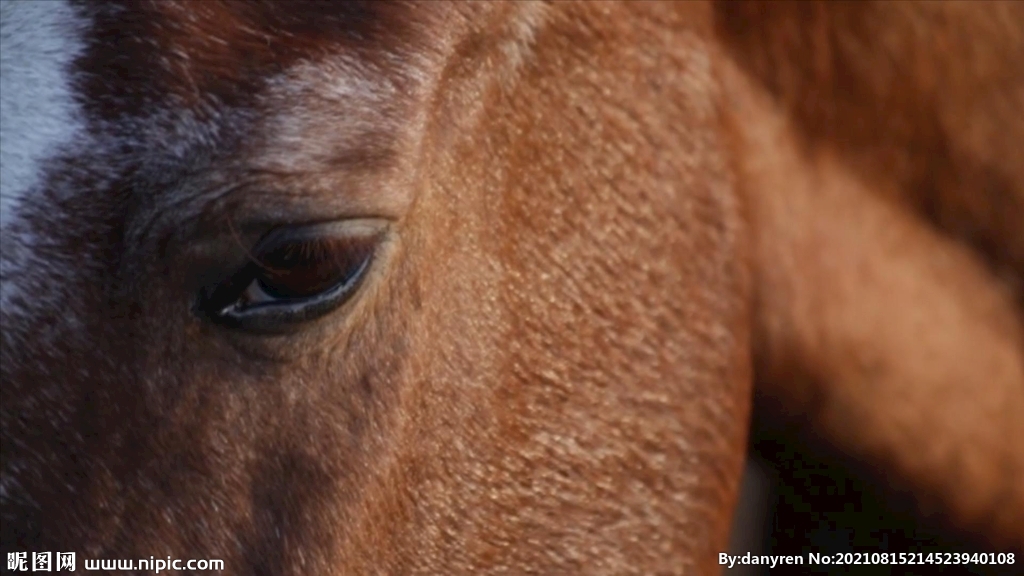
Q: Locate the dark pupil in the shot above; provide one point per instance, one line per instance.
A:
(305, 268)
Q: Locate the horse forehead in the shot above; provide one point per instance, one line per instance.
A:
(91, 89)
(39, 42)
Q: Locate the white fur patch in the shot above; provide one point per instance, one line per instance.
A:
(38, 115)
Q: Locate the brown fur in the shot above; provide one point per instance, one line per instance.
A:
(877, 150)
(605, 215)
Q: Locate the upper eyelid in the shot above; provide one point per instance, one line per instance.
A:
(349, 225)
(242, 240)
(316, 232)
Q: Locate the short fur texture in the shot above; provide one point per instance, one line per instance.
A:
(608, 220)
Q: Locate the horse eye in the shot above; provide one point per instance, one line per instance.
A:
(294, 275)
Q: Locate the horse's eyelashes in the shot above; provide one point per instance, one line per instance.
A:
(306, 267)
(296, 275)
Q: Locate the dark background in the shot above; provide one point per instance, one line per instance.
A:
(800, 496)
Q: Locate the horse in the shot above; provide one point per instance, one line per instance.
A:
(425, 287)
